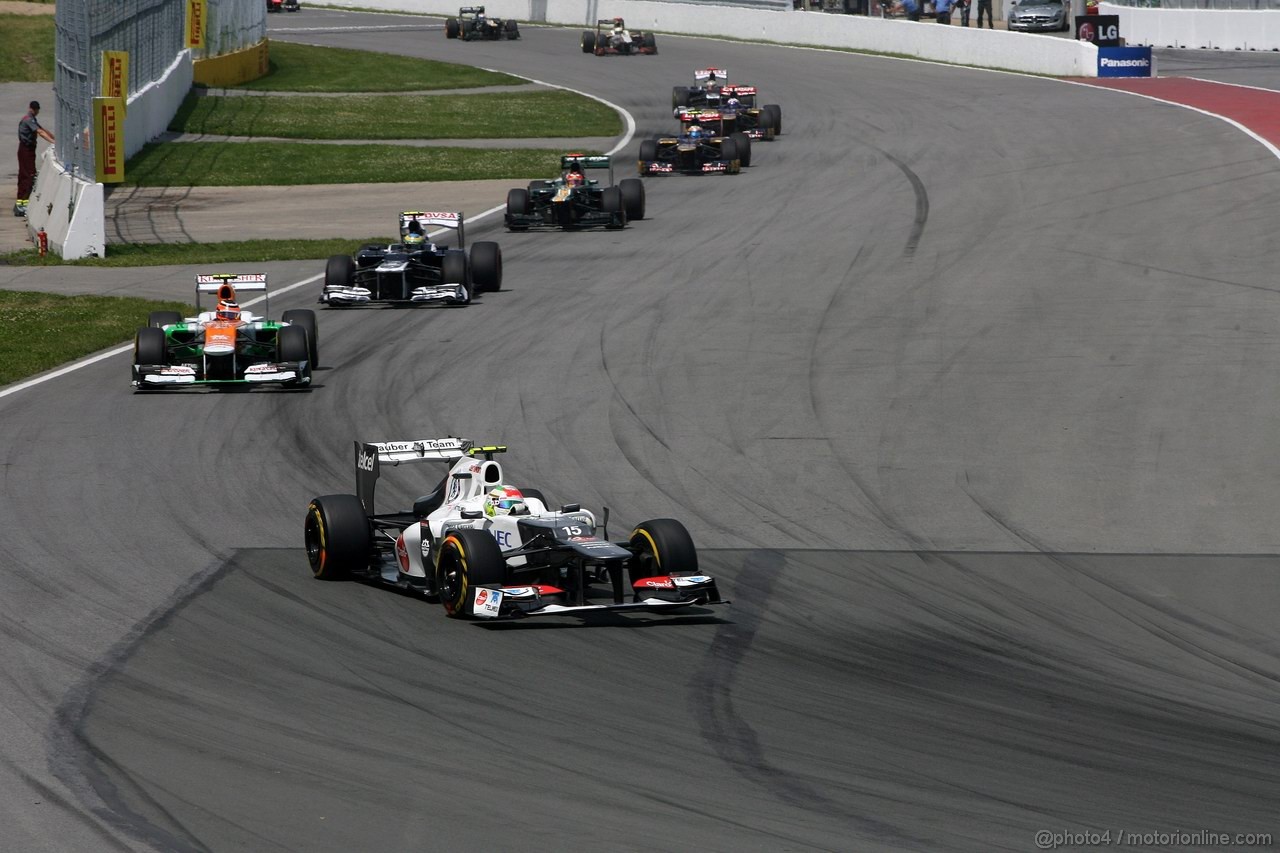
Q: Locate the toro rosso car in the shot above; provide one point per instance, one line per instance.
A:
(227, 346)
(736, 104)
(611, 36)
(414, 271)
(473, 25)
(702, 147)
(574, 201)
(487, 550)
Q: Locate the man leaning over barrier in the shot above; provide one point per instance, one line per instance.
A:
(28, 130)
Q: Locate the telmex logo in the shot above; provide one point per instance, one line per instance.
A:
(365, 462)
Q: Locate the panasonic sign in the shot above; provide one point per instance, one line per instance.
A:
(1125, 62)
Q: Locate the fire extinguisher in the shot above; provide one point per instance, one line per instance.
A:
(43, 240)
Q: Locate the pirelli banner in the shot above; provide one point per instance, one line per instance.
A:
(197, 21)
(115, 74)
(108, 139)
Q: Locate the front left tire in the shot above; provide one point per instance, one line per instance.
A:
(467, 559)
(337, 536)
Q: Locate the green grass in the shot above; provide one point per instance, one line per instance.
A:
(40, 331)
(525, 115)
(214, 164)
(26, 48)
(232, 252)
(305, 68)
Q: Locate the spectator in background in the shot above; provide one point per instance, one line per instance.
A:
(913, 9)
(963, 6)
(28, 130)
(985, 6)
(943, 8)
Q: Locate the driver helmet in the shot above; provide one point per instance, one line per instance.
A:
(574, 176)
(734, 102)
(413, 235)
(227, 310)
(695, 131)
(505, 500)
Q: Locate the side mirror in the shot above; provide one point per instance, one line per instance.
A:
(571, 507)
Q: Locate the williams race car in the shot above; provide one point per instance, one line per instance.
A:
(573, 201)
(702, 147)
(487, 550)
(611, 36)
(414, 271)
(473, 25)
(737, 104)
(227, 346)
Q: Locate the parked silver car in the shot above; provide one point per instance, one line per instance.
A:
(1040, 16)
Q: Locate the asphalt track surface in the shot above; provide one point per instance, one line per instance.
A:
(967, 390)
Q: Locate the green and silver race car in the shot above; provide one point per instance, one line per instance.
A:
(227, 346)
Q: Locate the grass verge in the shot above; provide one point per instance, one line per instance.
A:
(525, 115)
(214, 164)
(306, 68)
(182, 254)
(40, 331)
(26, 48)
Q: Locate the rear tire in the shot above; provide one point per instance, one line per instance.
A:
(649, 149)
(337, 537)
(453, 267)
(486, 267)
(728, 149)
(650, 42)
(588, 41)
(679, 97)
(156, 319)
(149, 347)
(340, 271)
(776, 112)
(467, 559)
(305, 318)
(512, 29)
(633, 197)
(452, 28)
(662, 546)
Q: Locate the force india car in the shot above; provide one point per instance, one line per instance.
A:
(472, 25)
(208, 349)
(453, 546)
(737, 104)
(611, 36)
(414, 271)
(562, 204)
(702, 147)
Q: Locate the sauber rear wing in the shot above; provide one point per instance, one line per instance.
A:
(372, 455)
(588, 161)
(438, 219)
(240, 282)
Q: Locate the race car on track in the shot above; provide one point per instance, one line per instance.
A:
(737, 104)
(611, 36)
(227, 346)
(702, 147)
(473, 25)
(488, 550)
(574, 201)
(414, 271)
(282, 5)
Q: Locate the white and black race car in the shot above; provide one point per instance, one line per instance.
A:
(487, 550)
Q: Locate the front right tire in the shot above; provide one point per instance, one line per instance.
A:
(662, 547)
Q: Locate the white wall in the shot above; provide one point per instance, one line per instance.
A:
(1227, 29)
(968, 46)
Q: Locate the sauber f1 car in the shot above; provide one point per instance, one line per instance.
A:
(489, 551)
(414, 271)
(574, 201)
(702, 147)
(228, 345)
(736, 104)
(611, 36)
(473, 25)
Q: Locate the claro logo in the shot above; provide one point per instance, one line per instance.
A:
(365, 461)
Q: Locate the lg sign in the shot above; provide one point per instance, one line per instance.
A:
(1102, 30)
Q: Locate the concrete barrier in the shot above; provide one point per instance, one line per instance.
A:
(960, 45)
(1219, 29)
(69, 208)
(234, 68)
